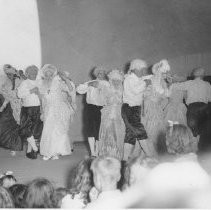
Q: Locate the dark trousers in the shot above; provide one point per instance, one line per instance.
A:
(94, 119)
(30, 122)
(197, 115)
(134, 128)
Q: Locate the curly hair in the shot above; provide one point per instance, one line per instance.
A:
(6, 200)
(81, 180)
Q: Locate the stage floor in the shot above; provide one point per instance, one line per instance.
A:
(56, 171)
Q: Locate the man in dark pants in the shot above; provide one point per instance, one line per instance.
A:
(134, 88)
(95, 103)
(198, 96)
(31, 125)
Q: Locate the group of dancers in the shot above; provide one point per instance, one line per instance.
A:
(37, 109)
(127, 113)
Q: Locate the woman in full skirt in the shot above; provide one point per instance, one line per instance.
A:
(112, 128)
(9, 129)
(10, 106)
(58, 110)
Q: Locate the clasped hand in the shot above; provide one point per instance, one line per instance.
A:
(35, 90)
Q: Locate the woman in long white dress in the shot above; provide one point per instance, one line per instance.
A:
(58, 110)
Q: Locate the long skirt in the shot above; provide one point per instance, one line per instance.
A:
(153, 121)
(55, 138)
(9, 131)
(94, 118)
(112, 132)
(197, 115)
(134, 128)
(31, 124)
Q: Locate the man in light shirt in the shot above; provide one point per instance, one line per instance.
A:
(134, 87)
(31, 125)
(94, 102)
(198, 96)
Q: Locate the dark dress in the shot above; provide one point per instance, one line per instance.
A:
(9, 129)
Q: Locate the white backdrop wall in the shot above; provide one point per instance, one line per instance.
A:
(183, 65)
(20, 34)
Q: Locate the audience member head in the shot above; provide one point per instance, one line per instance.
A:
(31, 72)
(82, 180)
(138, 67)
(137, 169)
(49, 71)
(198, 73)
(18, 191)
(6, 200)
(106, 172)
(39, 194)
(179, 139)
(7, 179)
(99, 73)
(60, 193)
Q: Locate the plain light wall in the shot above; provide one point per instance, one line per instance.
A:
(77, 35)
(20, 35)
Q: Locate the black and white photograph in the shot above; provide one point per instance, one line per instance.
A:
(105, 104)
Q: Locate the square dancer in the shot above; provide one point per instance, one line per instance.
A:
(31, 125)
(198, 96)
(95, 103)
(134, 87)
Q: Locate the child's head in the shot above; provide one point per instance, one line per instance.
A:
(7, 180)
(178, 139)
(60, 193)
(106, 171)
(39, 194)
(81, 180)
(18, 191)
(6, 200)
(137, 169)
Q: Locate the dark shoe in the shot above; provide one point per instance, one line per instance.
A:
(32, 155)
(29, 155)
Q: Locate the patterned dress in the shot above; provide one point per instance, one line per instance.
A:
(11, 96)
(112, 128)
(153, 115)
(58, 114)
(9, 129)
